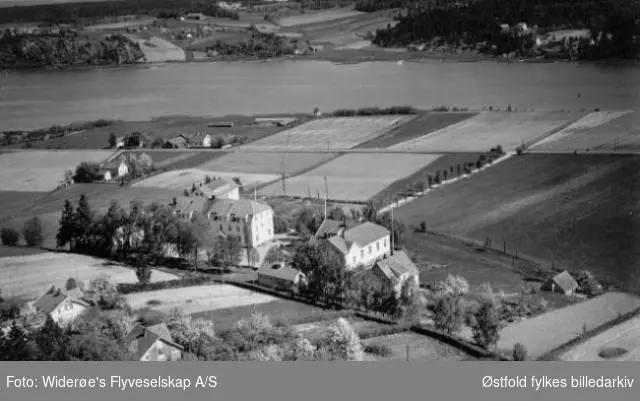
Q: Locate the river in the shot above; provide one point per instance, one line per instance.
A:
(35, 99)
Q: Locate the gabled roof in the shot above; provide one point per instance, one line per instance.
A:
(197, 204)
(142, 338)
(284, 273)
(339, 243)
(241, 208)
(217, 188)
(328, 228)
(565, 281)
(362, 235)
(49, 301)
(396, 265)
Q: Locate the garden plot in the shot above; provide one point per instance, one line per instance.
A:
(184, 179)
(563, 325)
(42, 170)
(266, 163)
(29, 276)
(421, 348)
(489, 129)
(330, 133)
(602, 130)
(619, 343)
(353, 177)
(196, 299)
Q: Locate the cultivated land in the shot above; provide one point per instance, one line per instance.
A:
(184, 179)
(14, 202)
(278, 311)
(176, 159)
(353, 177)
(196, 299)
(35, 171)
(623, 336)
(419, 125)
(318, 17)
(443, 162)
(578, 211)
(560, 326)
(267, 163)
(421, 348)
(488, 129)
(598, 131)
(29, 276)
(330, 133)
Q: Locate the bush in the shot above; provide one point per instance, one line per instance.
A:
(87, 172)
(71, 284)
(32, 232)
(519, 352)
(382, 350)
(9, 236)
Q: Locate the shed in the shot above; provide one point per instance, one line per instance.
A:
(285, 278)
(562, 282)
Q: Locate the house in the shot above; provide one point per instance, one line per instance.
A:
(562, 282)
(206, 141)
(196, 17)
(329, 228)
(178, 142)
(153, 343)
(362, 244)
(283, 278)
(63, 307)
(120, 142)
(220, 189)
(187, 206)
(393, 271)
(113, 170)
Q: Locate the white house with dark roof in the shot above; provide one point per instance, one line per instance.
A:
(362, 244)
(63, 307)
(393, 271)
(153, 343)
(284, 278)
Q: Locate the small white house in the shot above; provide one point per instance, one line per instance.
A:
(394, 271)
(206, 141)
(362, 245)
(123, 169)
(153, 344)
(61, 306)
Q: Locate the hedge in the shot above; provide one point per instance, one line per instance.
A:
(128, 288)
(374, 111)
(471, 349)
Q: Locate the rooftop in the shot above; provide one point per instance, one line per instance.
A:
(285, 273)
(397, 264)
(328, 228)
(362, 235)
(50, 300)
(241, 208)
(142, 338)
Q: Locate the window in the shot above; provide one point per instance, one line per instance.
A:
(221, 227)
(385, 242)
(354, 259)
(378, 245)
(230, 228)
(369, 249)
(238, 228)
(362, 253)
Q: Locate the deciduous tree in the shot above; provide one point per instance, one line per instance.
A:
(486, 332)
(32, 232)
(448, 314)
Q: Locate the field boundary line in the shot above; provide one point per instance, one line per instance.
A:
(556, 352)
(408, 199)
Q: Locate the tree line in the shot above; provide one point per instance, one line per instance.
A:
(258, 44)
(611, 22)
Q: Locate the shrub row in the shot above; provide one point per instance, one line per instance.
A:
(466, 346)
(128, 288)
(384, 331)
(374, 111)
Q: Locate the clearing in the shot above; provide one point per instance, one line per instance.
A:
(41, 170)
(489, 129)
(578, 211)
(184, 179)
(422, 124)
(598, 131)
(623, 337)
(352, 177)
(330, 133)
(267, 163)
(560, 326)
(196, 299)
(421, 348)
(28, 276)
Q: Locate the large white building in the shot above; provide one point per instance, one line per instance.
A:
(361, 245)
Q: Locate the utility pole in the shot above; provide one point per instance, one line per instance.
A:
(392, 231)
(407, 348)
(326, 187)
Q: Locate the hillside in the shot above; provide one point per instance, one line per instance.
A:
(577, 211)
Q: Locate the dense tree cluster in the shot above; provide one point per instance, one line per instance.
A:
(611, 22)
(259, 44)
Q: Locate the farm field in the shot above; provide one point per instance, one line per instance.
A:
(422, 124)
(329, 133)
(598, 131)
(563, 325)
(623, 336)
(489, 129)
(577, 211)
(318, 17)
(178, 159)
(421, 348)
(443, 162)
(14, 202)
(278, 310)
(183, 179)
(35, 171)
(28, 276)
(266, 163)
(196, 299)
(353, 177)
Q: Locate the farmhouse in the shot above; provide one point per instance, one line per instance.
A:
(63, 307)
(392, 272)
(220, 189)
(206, 141)
(284, 278)
(362, 244)
(561, 282)
(113, 169)
(177, 142)
(329, 228)
(153, 343)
